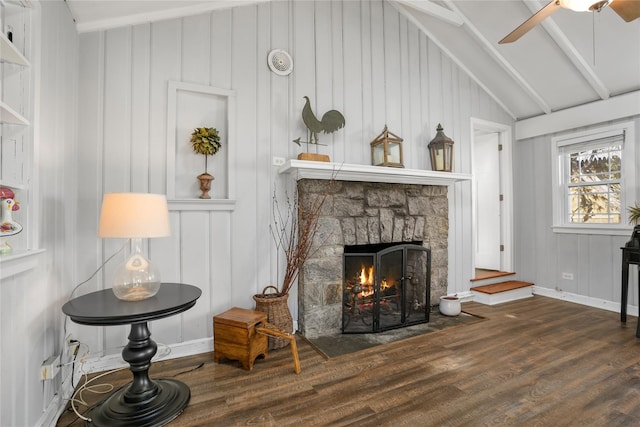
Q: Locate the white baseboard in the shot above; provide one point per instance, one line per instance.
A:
(464, 296)
(51, 414)
(57, 405)
(632, 310)
(114, 361)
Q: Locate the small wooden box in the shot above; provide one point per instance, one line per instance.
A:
(235, 336)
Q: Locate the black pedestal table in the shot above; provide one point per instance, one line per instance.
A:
(144, 401)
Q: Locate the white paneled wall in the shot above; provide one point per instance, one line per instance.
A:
(31, 321)
(360, 57)
(542, 255)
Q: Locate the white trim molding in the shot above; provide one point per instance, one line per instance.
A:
(506, 188)
(603, 304)
(304, 169)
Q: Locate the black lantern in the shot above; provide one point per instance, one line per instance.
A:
(441, 149)
(386, 150)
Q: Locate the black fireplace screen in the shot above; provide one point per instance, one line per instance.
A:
(385, 288)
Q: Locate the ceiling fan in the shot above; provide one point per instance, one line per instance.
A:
(627, 9)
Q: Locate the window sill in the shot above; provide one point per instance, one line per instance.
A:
(18, 262)
(593, 229)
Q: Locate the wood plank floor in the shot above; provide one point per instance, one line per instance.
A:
(534, 362)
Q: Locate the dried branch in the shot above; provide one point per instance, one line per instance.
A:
(294, 230)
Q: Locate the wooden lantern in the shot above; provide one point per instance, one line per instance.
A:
(441, 149)
(386, 150)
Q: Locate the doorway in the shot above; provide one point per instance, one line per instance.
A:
(492, 198)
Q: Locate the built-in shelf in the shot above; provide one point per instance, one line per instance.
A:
(10, 53)
(201, 204)
(304, 169)
(16, 103)
(18, 262)
(12, 184)
(11, 116)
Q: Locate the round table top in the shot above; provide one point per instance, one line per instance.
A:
(103, 308)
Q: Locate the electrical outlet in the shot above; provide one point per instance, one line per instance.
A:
(567, 276)
(278, 161)
(50, 368)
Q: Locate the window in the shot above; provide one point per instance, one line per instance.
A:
(593, 180)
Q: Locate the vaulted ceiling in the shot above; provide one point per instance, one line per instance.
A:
(570, 59)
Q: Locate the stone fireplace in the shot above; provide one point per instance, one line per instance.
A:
(366, 213)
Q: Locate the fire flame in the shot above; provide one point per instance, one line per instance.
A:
(366, 279)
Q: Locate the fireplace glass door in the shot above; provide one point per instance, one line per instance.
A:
(386, 289)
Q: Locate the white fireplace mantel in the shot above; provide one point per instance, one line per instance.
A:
(305, 169)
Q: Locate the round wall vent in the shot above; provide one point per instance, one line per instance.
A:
(280, 62)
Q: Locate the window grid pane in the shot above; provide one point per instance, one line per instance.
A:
(593, 185)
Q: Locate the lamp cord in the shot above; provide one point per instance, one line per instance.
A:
(99, 268)
(85, 281)
(64, 326)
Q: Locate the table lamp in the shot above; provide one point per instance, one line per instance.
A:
(135, 216)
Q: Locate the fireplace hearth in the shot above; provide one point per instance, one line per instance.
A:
(385, 287)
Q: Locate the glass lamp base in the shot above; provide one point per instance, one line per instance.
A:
(136, 279)
(136, 291)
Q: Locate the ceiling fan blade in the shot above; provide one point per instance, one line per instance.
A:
(527, 25)
(627, 9)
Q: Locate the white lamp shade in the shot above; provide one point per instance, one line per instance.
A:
(134, 215)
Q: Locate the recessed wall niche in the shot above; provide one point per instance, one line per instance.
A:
(191, 106)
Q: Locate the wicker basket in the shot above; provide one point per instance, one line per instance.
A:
(278, 314)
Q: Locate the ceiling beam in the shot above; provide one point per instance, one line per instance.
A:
(407, 14)
(144, 16)
(434, 10)
(602, 111)
(571, 52)
(501, 60)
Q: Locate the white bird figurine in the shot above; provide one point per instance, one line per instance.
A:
(8, 227)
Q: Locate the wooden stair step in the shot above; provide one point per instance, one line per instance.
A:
(498, 293)
(501, 287)
(490, 274)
